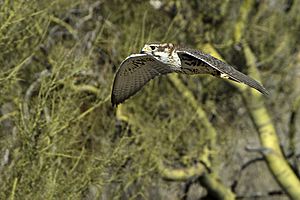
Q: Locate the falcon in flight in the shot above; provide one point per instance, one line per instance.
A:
(159, 59)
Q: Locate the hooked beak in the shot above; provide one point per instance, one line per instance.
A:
(146, 49)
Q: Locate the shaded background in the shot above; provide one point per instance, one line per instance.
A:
(61, 138)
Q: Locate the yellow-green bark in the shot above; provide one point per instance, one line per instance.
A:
(202, 117)
(242, 20)
(208, 180)
(267, 133)
(214, 187)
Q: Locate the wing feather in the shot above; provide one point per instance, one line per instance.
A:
(223, 68)
(134, 72)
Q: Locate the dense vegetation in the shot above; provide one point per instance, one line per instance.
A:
(181, 137)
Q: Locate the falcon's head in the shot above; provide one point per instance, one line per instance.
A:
(162, 52)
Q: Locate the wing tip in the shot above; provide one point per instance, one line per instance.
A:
(260, 88)
(114, 102)
(264, 91)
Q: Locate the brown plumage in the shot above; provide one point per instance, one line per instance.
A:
(159, 59)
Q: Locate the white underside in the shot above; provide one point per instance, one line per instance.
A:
(172, 61)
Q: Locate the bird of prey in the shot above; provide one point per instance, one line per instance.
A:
(159, 59)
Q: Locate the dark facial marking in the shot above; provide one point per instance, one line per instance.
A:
(153, 47)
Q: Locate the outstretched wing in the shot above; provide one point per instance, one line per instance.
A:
(222, 67)
(134, 72)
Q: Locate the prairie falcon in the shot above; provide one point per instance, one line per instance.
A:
(159, 59)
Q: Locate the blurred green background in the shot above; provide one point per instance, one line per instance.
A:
(60, 138)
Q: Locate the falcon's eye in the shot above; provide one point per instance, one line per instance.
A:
(153, 48)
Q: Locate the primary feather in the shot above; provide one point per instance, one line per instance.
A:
(158, 59)
(134, 72)
(223, 68)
